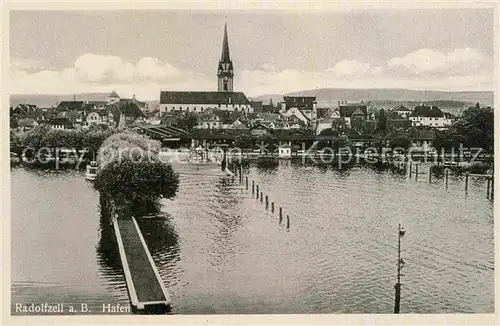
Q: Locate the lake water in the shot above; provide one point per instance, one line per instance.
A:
(220, 251)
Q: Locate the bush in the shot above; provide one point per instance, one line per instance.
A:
(135, 186)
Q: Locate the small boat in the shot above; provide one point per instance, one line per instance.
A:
(91, 172)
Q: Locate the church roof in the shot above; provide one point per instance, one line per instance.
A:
(113, 94)
(214, 98)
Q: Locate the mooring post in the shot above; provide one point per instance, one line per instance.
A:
(447, 178)
(466, 181)
(253, 188)
(416, 172)
(281, 213)
(492, 185)
(410, 169)
(261, 197)
(257, 192)
(401, 263)
(288, 222)
(272, 207)
(246, 183)
(267, 201)
(430, 174)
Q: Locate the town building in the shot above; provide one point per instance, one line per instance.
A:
(323, 124)
(356, 110)
(429, 116)
(224, 99)
(26, 124)
(59, 123)
(306, 105)
(69, 105)
(401, 112)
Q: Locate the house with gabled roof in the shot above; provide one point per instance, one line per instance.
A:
(125, 114)
(26, 124)
(236, 124)
(113, 97)
(401, 111)
(59, 123)
(209, 121)
(70, 105)
(429, 116)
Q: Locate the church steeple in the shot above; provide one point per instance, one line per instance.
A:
(225, 47)
(225, 72)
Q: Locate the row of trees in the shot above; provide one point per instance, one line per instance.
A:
(132, 176)
(43, 136)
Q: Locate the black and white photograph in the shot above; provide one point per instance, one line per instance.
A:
(232, 161)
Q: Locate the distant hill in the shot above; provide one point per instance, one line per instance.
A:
(47, 100)
(327, 97)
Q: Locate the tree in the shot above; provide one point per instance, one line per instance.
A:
(187, 121)
(243, 141)
(400, 142)
(477, 126)
(135, 186)
(382, 122)
(13, 122)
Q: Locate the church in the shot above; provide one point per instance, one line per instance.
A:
(224, 99)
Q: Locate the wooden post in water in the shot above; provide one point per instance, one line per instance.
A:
(267, 201)
(466, 181)
(410, 169)
(447, 170)
(253, 188)
(397, 287)
(492, 185)
(246, 183)
(257, 192)
(287, 222)
(272, 207)
(430, 174)
(281, 214)
(261, 197)
(416, 172)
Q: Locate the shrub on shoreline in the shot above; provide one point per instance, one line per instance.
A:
(132, 175)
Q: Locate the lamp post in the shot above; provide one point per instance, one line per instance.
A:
(401, 263)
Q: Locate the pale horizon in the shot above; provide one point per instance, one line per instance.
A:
(144, 52)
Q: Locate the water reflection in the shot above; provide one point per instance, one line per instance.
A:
(108, 256)
(227, 221)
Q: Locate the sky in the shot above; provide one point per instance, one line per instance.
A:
(273, 52)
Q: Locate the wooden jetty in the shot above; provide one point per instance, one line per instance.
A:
(146, 290)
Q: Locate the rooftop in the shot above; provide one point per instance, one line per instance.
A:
(214, 98)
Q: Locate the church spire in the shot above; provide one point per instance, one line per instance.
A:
(225, 71)
(225, 47)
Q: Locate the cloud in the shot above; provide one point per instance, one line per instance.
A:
(105, 68)
(461, 69)
(103, 73)
(428, 60)
(349, 67)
